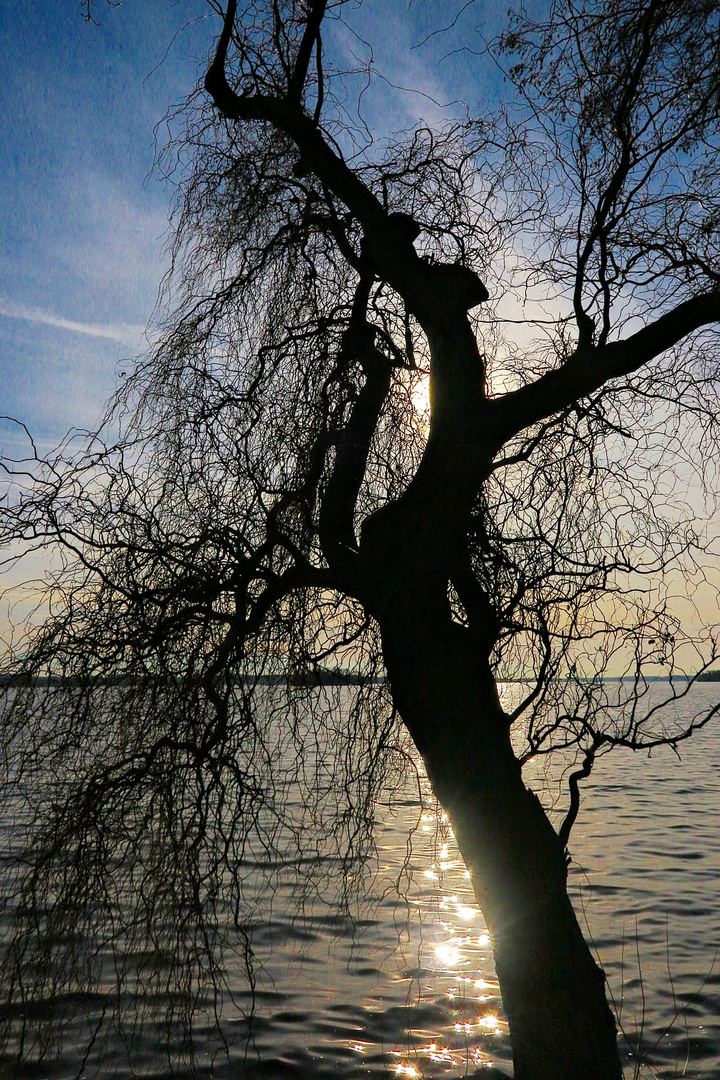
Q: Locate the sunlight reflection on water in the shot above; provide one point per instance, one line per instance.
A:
(415, 983)
(445, 951)
(408, 986)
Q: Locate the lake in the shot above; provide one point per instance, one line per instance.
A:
(405, 986)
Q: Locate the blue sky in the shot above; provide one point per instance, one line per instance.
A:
(81, 224)
(83, 219)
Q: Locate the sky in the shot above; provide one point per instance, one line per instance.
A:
(84, 216)
(84, 212)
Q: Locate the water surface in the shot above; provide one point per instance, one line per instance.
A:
(406, 985)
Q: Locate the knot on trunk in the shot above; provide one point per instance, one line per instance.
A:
(460, 287)
(404, 227)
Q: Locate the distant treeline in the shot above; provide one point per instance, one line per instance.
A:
(319, 677)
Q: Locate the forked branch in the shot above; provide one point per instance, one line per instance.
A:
(589, 368)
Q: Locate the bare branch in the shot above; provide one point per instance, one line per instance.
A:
(590, 368)
(310, 38)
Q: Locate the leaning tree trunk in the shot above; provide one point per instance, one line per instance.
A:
(561, 1026)
(411, 550)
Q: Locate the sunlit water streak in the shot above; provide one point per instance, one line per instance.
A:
(408, 987)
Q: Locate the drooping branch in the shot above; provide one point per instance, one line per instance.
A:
(432, 292)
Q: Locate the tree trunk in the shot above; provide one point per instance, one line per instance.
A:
(560, 1023)
(561, 1026)
(553, 991)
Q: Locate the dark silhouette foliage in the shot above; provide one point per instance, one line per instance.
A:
(270, 495)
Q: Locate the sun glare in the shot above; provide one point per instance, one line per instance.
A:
(448, 954)
(421, 396)
(406, 1070)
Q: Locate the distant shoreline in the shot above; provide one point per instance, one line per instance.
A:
(312, 678)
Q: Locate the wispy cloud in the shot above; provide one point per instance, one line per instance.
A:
(123, 333)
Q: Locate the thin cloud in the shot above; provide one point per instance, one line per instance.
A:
(123, 333)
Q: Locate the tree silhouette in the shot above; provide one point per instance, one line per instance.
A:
(274, 498)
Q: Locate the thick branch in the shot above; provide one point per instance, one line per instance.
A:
(573, 784)
(287, 116)
(311, 36)
(352, 444)
(590, 368)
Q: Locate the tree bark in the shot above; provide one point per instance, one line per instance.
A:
(561, 1026)
(553, 991)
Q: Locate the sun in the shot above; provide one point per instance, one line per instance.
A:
(420, 396)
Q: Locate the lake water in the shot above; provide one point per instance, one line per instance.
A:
(407, 987)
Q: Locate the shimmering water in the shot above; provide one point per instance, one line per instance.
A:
(407, 988)
(647, 878)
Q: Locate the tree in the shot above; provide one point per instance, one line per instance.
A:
(275, 497)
